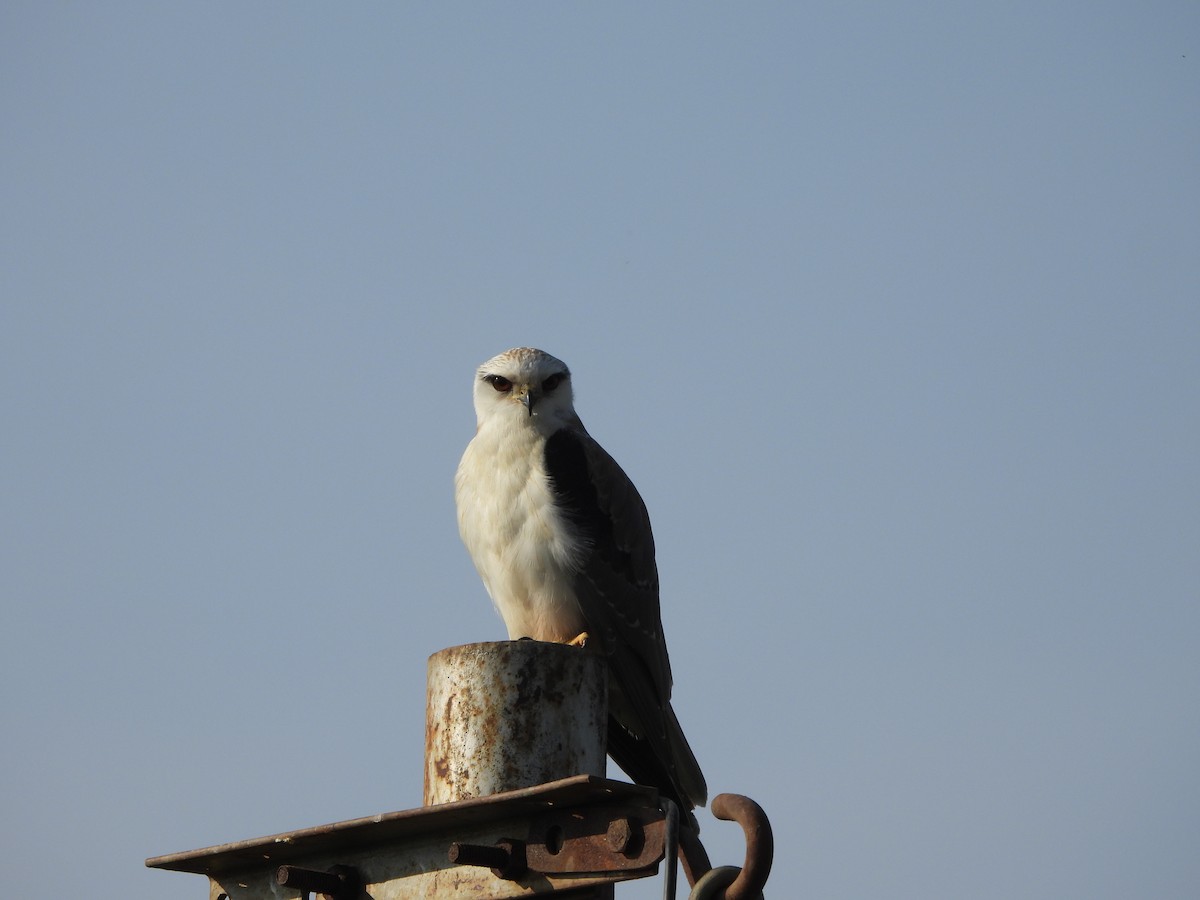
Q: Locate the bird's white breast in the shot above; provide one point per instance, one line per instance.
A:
(520, 544)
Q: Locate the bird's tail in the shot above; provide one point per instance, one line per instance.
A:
(666, 762)
(693, 790)
(687, 775)
(670, 765)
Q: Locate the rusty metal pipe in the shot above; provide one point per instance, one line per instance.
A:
(512, 714)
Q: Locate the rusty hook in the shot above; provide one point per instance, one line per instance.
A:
(729, 883)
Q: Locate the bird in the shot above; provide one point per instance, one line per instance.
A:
(562, 541)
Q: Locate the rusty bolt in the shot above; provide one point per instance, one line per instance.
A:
(340, 881)
(477, 855)
(506, 859)
(623, 835)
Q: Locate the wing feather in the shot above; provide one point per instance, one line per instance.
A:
(616, 586)
(618, 574)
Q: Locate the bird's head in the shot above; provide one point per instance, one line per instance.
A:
(524, 385)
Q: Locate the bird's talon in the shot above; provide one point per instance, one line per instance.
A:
(580, 640)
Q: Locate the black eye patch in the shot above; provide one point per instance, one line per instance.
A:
(553, 381)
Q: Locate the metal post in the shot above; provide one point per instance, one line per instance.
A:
(512, 714)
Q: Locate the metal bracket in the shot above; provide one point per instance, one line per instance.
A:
(596, 839)
(576, 833)
(581, 841)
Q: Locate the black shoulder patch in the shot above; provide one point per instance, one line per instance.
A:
(571, 481)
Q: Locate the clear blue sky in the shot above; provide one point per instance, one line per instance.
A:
(891, 311)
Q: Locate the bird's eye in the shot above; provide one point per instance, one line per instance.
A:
(499, 382)
(553, 381)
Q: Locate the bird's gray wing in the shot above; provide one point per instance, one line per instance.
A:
(618, 575)
(617, 587)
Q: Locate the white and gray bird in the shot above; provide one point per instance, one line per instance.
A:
(563, 544)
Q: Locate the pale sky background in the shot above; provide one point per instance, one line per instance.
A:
(891, 311)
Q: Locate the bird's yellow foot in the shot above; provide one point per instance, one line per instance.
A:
(580, 640)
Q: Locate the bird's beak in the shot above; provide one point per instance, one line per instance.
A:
(529, 398)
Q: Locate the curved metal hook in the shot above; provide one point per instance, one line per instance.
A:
(713, 883)
(760, 844)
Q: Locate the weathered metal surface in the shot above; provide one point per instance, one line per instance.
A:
(573, 842)
(596, 839)
(404, 855)
(506, 715)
